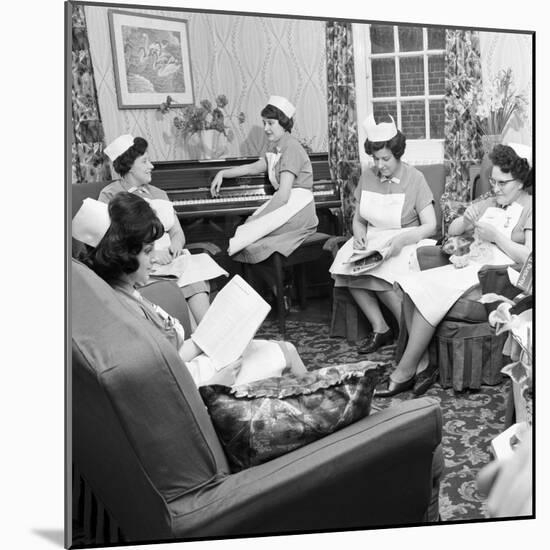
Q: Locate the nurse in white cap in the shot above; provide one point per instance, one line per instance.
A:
(282, 223)
(131, 162)
(395, 206)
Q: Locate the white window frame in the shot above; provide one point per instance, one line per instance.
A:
(418, 151)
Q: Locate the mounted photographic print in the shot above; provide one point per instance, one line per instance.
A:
(256, 400)
(151, 60)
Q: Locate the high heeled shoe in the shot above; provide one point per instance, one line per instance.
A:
(378, 340)
(395, 387)
(425, 380)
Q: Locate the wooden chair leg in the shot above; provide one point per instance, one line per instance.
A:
(301, 284)
(279, 278)
(247, 274)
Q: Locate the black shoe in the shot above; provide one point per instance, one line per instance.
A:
(378, 340)
(395, 387)
(425, 380)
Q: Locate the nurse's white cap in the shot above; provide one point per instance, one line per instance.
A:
(379, 132)
(523, 151)
(120, 145)
(92, 219)
(283, 104)
(91, 222)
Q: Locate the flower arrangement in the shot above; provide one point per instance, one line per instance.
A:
(195, 118)
(498, 104)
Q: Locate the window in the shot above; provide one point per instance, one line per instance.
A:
(407, 78)
(403, 68)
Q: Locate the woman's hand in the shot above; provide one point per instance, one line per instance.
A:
(216, 184)
(469, 219)
(360, 241)
(162, 257)
(393, 246)
(228, 375)
(486, 232)
(175, 251)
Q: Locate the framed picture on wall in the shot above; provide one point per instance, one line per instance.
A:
(151, 60)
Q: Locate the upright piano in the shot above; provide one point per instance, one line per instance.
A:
(204, 217)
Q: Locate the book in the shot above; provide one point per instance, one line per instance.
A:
(230, 322)
(525, 279)
(189, 268)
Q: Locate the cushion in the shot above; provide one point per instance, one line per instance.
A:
(259, 421)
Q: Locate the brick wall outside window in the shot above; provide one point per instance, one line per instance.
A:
(412, 80)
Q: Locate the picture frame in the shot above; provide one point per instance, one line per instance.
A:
(151, 59)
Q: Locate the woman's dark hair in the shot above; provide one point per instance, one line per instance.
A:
(396, 145)
(134, 224)
(510, 162)
(270, 111)
(123, 163)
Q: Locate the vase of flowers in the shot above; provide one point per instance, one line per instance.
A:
(203, 127)
(496, 106)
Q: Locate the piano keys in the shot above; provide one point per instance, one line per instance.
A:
(240, 199)
(188, 187)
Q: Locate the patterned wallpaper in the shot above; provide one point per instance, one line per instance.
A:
(501, 50)
(246, 58)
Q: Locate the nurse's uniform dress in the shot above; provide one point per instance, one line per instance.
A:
(261, 358)
(284, 229)
(390, 206)
(434, 291)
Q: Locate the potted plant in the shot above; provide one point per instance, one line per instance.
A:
(495, 107)
(205, 123)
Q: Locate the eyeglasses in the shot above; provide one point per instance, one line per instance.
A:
(500, 184)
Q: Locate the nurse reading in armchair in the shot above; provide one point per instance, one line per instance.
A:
(288, 217)
(394, 208)
(119, 241)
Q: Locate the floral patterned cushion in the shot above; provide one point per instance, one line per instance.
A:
(259, 421)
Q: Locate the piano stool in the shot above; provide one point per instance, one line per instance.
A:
(310, 250)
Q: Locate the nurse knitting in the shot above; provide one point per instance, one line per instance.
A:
(394, 206)
(288, 217)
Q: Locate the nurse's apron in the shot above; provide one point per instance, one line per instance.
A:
(254, 229)
(383, 214)
(434, 291)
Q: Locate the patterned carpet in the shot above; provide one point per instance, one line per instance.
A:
(470, 419)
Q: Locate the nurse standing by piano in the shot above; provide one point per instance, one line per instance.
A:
(288, 218)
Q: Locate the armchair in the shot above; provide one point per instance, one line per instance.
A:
(146, 450)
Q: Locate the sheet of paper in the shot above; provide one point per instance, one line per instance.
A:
(230, 322)
(191, 268)
(504, 443)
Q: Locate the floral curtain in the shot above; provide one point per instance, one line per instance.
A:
(89, 164)
(343, 150)
(462, 137)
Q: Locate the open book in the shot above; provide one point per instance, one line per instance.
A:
(190, 268)
(230, 322)
(365, 260)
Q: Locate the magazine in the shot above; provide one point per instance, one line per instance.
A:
(230, 322)
(365, 260)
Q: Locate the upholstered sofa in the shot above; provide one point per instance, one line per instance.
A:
(151, 467)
